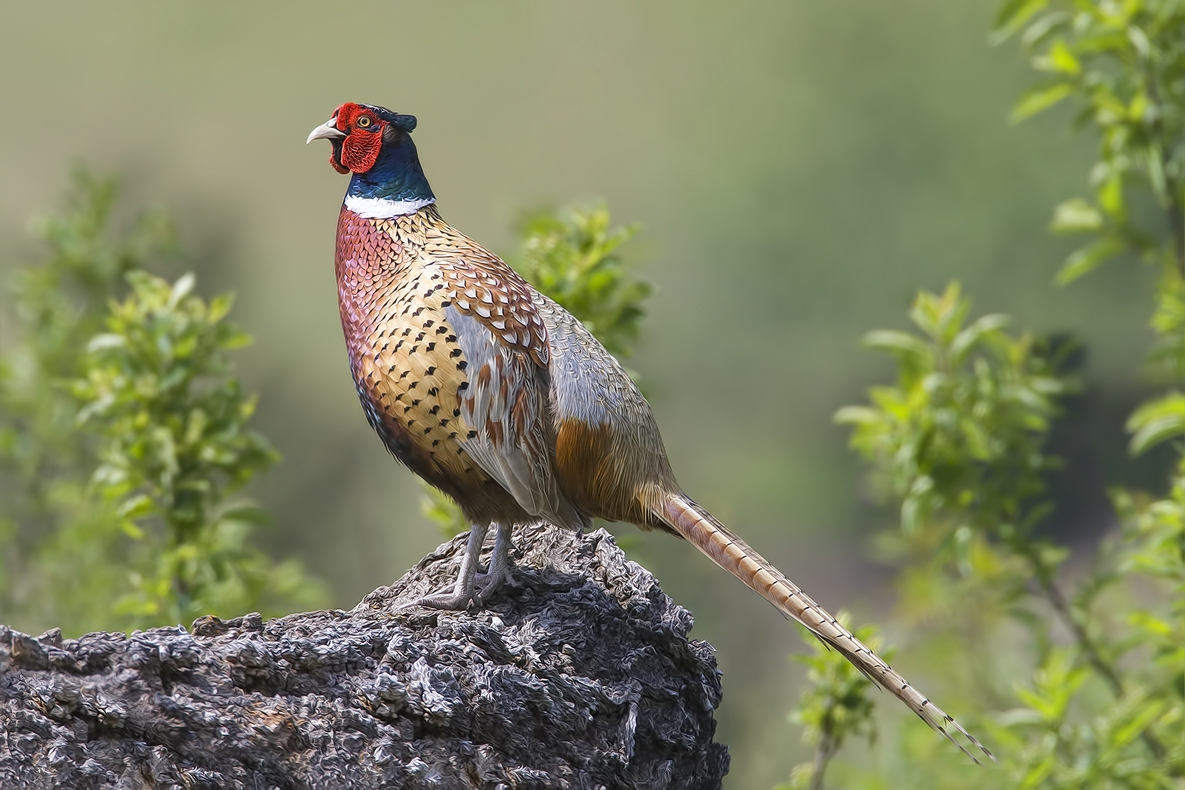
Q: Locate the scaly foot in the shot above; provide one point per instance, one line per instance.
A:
(462, 592)
(472, 587)
(501, 570)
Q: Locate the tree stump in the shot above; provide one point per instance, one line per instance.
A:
(582, 676)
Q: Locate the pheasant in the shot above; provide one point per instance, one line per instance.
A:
(500, 398)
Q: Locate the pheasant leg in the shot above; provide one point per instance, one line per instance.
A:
(462, 592)
(501, 566)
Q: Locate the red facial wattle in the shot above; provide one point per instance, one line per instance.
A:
(363, 142)
(335, 158)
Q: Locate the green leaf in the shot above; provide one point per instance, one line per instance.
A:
(220, 306)
(1138, 108)
(105, 341)
(1088, 259)
(439, 508)
(979, 329)
(1139, 40)
(1110, 195)
(135, 507)
(1151, 623)
(1042, 27)
(1076, 216)
(130, 529)
(1013, 14)
(1059, 59)
(1039, 99)
(901, 343)
(181, 289)
(856, 415)
(1156, 422)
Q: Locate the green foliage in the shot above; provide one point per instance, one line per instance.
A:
(121, 449)
(173, 443)
(834, 704)
(959, 443)
(573, 259)
(56, 546)
(959, 438)
(1123, 64)
(437, 507)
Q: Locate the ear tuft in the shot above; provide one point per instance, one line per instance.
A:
(406, 123)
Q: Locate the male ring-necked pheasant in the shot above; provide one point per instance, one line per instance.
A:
(497, 396)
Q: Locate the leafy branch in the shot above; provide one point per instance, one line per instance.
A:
(123, 438)
(959, 442)
(833, 706)
(173, 444)
(1123, 65)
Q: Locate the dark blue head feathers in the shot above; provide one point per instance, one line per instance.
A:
(404, 123)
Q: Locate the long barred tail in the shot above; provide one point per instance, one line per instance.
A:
(733, 555)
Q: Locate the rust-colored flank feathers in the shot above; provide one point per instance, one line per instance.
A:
(501, 399)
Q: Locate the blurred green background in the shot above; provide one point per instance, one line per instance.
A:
(800, 168)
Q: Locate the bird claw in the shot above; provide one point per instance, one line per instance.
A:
(472, 587)
(489, 583)
(485, 585)
(450, 602)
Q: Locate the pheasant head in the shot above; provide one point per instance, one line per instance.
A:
(374, 144)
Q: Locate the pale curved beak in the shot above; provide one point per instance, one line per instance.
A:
(326, 131)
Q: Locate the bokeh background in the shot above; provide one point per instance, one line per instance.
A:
(800, 169)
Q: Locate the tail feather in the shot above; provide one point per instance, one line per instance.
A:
(732, 554)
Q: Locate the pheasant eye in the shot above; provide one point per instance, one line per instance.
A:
(364, 122)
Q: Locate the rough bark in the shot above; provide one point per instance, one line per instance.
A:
(582, 676)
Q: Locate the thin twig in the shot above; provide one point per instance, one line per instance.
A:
(1053, 594)
(826, 749)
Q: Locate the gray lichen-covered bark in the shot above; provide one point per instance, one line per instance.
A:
(581, 677)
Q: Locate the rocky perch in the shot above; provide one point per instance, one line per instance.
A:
(581, 677)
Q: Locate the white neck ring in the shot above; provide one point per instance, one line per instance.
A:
(381, 208)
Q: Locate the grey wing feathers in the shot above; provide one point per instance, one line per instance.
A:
(590, 385)
(505, 406)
